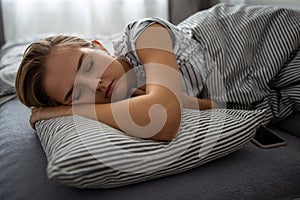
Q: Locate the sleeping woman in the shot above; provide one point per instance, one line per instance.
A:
(226, 57)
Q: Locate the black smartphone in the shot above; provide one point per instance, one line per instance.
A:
(267, 138)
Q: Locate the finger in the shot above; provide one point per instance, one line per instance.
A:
(214, 104)
(33, 118)
(33, 110)
(32, 122)
(33, 126)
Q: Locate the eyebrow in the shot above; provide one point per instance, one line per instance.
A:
(69, 93)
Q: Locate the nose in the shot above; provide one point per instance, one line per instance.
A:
(91, 84)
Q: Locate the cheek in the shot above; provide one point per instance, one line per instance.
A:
(104, 65)
(120, 91)
(114, 69)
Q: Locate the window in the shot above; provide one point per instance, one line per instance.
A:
(31, 17)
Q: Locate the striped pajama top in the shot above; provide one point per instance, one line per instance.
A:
(188, 52)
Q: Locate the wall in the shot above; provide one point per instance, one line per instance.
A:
(24, 18)
(294, 4)
(181, 9)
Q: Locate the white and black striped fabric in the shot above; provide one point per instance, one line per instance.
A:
(246, 57)
(256, 53)
(88, 154)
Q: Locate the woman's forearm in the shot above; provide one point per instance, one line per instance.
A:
(41, 113)
(139, 116)
(205, 104)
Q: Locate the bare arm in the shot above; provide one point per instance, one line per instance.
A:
(155, 115)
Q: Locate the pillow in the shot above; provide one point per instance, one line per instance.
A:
(89, 154)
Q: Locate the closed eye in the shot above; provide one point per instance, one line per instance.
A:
(89, 67)
(77, 96)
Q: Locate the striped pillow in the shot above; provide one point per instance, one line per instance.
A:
(88, 154)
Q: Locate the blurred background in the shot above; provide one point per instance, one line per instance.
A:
(22, 18)
(28, 17)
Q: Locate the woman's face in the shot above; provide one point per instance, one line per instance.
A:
(84, 75)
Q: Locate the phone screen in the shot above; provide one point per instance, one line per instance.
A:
(266, 138)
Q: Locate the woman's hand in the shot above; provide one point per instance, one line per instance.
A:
(41, 113)
(195, 103)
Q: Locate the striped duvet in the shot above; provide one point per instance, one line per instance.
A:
(253, 53)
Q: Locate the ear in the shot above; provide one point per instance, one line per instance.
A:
(96, 43)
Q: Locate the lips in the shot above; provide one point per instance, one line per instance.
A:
(109, 90)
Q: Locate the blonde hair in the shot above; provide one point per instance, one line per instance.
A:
(29, 78)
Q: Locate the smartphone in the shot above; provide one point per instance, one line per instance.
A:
(267, 138)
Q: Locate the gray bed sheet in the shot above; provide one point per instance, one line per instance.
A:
(250, 173)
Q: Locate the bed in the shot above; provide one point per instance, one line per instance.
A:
(247, 173)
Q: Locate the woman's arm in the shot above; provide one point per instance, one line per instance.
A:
(200, 104)
(51, 112)
(155, 115)
(187, 101)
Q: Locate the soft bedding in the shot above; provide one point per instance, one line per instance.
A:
(78, 150)
(89, 154)
(249, 173)
(252, 57)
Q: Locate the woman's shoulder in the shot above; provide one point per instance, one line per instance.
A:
(134, 29)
